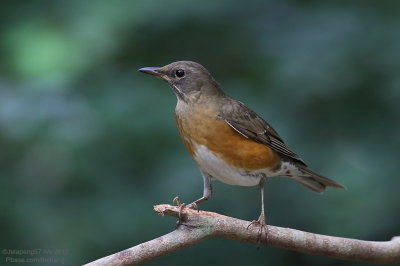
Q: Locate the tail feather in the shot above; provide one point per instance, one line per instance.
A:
(314, 181)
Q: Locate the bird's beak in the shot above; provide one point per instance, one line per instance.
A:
(150, 70)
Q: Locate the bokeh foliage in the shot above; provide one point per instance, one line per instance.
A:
(88, 145)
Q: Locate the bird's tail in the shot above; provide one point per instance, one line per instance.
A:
(314, 181)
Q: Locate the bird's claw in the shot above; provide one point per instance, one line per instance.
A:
(194, 206)
(262, 230)
(181, 206)
(176, 201)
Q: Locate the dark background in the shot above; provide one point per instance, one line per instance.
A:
(89, 145)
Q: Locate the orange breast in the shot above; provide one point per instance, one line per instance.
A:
(203, 127)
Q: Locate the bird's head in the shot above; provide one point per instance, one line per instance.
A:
(189, 80)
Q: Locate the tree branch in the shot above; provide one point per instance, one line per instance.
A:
(196, 226)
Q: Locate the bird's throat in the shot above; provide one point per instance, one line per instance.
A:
(178, 92)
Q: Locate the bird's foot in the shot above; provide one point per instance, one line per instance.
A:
(262, 229)
(178, 203)
(181, 206)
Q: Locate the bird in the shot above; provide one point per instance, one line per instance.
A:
(228, 141)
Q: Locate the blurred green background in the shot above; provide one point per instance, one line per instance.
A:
(89, 145)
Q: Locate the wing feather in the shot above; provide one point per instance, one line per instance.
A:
(247, 123)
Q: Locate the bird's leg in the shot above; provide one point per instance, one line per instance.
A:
(207, 192)
(261, 220)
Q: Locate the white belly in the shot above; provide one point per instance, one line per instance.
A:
(217, 168)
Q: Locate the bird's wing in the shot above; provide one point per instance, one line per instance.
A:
(246, 122)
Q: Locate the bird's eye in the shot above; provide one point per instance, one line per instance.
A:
(179, 73)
